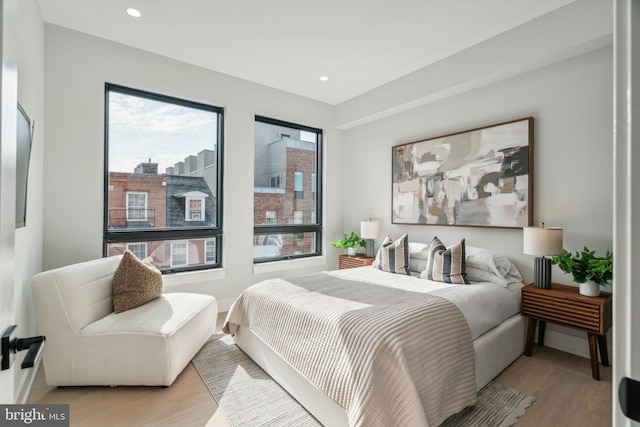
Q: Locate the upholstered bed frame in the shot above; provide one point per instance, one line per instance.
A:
(494, 351)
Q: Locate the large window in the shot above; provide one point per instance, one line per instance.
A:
(163, 179)
(287, 220)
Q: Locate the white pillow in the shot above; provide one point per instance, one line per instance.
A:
(417, 265)
(478, 275)
(492, 262)
(418, 255)
(419, 250)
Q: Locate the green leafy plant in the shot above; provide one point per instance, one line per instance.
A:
(349, 241)
(585, 266)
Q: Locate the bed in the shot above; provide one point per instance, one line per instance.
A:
(366, 347)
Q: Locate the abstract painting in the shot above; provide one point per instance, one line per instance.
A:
(480, 178)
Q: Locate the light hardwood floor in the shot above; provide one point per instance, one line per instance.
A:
(566, 396)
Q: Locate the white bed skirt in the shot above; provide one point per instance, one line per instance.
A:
(494, 351)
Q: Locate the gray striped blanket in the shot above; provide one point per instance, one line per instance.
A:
(389, 357)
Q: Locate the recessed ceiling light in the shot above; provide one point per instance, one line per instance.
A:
(134, 12)
(324, 78)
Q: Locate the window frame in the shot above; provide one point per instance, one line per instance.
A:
(317, 228)
(168, 235)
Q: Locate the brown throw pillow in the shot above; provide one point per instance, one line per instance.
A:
(135, 282)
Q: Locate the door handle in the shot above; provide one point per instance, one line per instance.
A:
(629, 397)
(9, 345)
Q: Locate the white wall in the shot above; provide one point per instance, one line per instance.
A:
(571, 102)
(77, 67)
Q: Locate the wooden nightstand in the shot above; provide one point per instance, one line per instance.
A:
(359, 260)
(565, 306)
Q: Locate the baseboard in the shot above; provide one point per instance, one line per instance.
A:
(570, 343)
(26, 383)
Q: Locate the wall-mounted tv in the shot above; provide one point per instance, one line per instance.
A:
(24, 138)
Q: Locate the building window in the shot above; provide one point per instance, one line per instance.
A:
(195, 209)
(179, 254)
(138, 249)
(276, 181)
(136, 206)
(209, 251)
(163, 178)
(289, 151)
(298, 185)
(270, 217)
(298, 218)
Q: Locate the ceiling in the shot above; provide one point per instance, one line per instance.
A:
(289, 44)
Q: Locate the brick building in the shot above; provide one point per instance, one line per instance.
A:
(180, 198)
(284, 192)
(137, 199)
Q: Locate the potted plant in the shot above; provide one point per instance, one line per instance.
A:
(351, 242)
(587, 269)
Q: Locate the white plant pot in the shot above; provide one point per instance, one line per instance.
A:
(351, 251)
(590, 289)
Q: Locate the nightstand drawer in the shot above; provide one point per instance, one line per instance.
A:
(346, 261)
(572, 313)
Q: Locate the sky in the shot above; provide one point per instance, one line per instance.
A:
(141, 129)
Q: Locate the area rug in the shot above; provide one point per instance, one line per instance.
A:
(249, 397)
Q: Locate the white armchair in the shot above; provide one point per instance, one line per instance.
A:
(87, 343)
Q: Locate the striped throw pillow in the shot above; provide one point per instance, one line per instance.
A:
(393, 257)
(446, 264)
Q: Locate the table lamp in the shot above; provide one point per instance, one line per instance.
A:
(541, 242)
(369, 230)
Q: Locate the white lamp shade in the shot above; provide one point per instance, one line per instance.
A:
(370, 229)
(542, 241)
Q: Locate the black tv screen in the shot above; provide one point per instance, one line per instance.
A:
(24, 137)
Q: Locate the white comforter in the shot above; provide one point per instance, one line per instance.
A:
(484, 305)
(383, 356)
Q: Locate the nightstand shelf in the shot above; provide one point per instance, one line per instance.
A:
(346, 261)
(565, 306)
